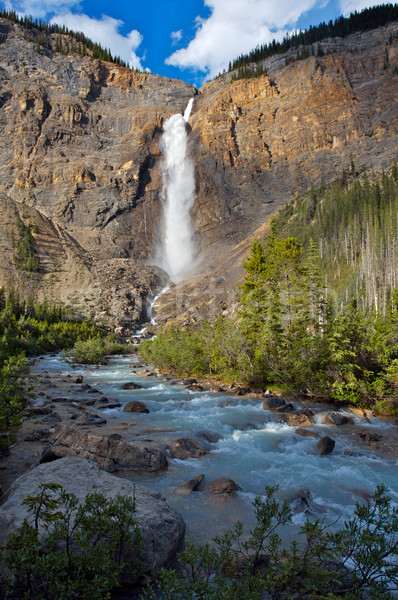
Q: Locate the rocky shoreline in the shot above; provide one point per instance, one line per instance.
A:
(65, 403)
(66, 424)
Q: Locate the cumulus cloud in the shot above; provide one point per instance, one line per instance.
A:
(40, 8)
(105, 31)
(350, 6)
(235, 27)
(176, 36)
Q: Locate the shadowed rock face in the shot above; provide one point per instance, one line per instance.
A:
(80, 158)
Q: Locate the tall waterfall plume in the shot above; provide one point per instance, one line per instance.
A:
(178, 195)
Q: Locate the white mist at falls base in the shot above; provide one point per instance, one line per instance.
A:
(176, 255)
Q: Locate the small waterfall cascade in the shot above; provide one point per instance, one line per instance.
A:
(152, 304)
(177, 250)
(150, 311)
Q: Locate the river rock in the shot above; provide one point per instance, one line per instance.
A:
(91, 419)
(325, 445)
(131, 385)
(135, 406)
(337, 419)
(192, 484)
(183, 448)
(188, 381)
(222, 487)
(241, 391)
(305, 432)
(52, 418)
(225, 403)
(301, 502)
(40, 410)
(111, 455)
(210, 436)
(299, 419)
(162, 528)
(195, 387)
(278, 404)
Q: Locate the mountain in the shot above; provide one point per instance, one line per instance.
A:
(81, 163)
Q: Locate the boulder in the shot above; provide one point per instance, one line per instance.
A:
(40, 410)
(325, 445)
(222, 487)
(162, 528)
(52, 418)
(192, 484)
(183, 448)
(130, 385)
(225, 403)
(299, 420)
(195, 387)
(110, 454)
(367, 436)
(336, 419)
(210, 436)
(301, 502)
(135, 406)
(91, 419)
(278, 404)
(241, 391)
(305, 432)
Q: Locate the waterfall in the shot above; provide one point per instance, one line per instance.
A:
(178, 194)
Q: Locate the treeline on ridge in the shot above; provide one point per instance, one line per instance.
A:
(78, 43)
(369, 18)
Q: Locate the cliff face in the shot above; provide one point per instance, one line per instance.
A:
(261, 141)
(80, 159)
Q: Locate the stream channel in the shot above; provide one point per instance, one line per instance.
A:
(256, 449)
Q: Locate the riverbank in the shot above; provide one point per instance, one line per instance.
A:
(241, 440)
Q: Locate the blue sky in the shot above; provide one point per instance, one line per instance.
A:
(191, 40)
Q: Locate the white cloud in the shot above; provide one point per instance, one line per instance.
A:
(40, 8)
(105, 31)
(235, 27)
(349, 6)
(176, 36)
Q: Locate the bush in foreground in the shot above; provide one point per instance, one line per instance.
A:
(357, 561)
(66, 551)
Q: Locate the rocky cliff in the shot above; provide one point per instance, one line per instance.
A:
(80, 162)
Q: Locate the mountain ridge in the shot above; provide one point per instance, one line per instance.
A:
(80, 145)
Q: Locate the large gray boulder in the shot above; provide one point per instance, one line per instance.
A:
(110, 454)
(162, 528)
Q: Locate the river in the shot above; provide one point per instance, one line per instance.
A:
(255, 449)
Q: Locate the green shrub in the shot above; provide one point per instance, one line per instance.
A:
(81, 552)
(14, 393)
(357, 561)
(94, 350)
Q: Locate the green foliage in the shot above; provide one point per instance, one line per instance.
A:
(28, 328)
(14, 394)
(359, 560)
(352, 224)
(25, 255)
(67, 550)
(31, 327)
(94, 350)
(286, 333)
(178, 350)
